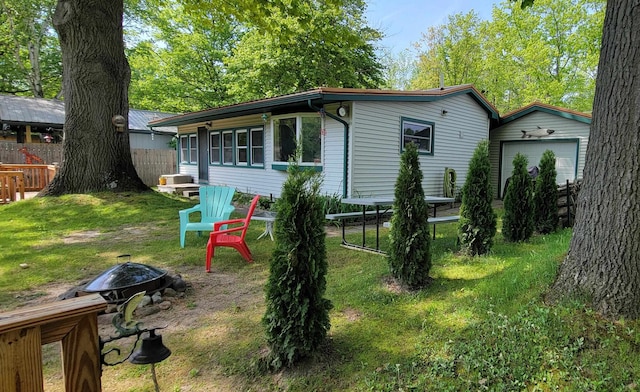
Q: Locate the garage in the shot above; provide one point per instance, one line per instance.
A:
(566, 151)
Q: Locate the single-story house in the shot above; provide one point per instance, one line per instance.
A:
(533, 129)
(353, 136)
(33, 120)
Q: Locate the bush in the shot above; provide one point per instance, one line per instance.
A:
(517, 223)
(297, 317)
(410, 240)
(477, 224)
(545, 198)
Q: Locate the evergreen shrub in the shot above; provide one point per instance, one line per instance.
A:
(517, 223)
(545, 197)
(410, 240)
(478, 220)
(297, 315)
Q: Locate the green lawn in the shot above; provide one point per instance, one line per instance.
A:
(481, 324)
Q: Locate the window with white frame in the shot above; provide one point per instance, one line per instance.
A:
(419, 132)
(193, 149)
(227, 147)
(184, 149)
(189, 149)
(242, 153)
(287, 131)
(237, 147)
(257, 146)
(214, 147)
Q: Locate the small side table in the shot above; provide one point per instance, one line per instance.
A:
(268, 217)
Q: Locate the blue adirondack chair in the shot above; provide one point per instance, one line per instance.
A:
(215, 205)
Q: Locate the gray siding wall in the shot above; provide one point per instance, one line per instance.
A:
(144, 140)
(375, 143)
(564, 129)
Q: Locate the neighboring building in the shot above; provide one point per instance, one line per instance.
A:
(353, 136)
(568, 141)
(34, 120)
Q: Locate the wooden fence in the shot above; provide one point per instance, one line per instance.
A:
(150, 164)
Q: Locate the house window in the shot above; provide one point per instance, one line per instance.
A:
(418, 132)
(227, 147)
(184, 149)
(241, 147)
(214, 152)
(193, 149)
(288, 131)
(257, 147)
(189, 149)
(237, 147)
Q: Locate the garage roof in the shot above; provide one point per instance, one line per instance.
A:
(543, 107)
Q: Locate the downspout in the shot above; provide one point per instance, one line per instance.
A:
(346, 143)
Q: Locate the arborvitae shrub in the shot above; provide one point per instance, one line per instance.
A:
(297, 315)
(517, 223)
(410, 241)
(545, 197)
(477, 225)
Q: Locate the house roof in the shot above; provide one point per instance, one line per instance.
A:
(50, 113)
(545, 108)
(325, 95)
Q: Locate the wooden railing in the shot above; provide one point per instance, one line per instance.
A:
(36, 177)
(11, 184)
(74, 322)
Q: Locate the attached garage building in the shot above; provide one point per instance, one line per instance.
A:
(568, 141)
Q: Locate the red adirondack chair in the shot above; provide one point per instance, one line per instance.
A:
(226, 238)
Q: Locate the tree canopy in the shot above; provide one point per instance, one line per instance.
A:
(547, 52)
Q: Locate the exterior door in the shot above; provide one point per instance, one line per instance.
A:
(203, 156)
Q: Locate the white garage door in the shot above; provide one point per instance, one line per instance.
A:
(566, 152)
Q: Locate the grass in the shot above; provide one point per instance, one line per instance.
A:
(481, 324)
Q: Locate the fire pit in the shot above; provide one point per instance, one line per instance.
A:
(121, 281)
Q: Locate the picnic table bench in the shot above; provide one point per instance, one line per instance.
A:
(377, 203)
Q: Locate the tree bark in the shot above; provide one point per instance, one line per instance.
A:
(96, 74)
(603, 263)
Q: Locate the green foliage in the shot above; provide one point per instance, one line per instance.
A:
(517, 223)
(30, 63)
(477, 225)
(409, 237)
(545, 197)
(297, 315)
(328, 47)
(547, 52)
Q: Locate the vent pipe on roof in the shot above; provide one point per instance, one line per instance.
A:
(441, 80)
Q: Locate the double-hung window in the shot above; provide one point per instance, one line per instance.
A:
(227, 147)
(189, 149)
(214, 147)
(242, 141)
(257, 147)
(289, 131)
(419, 132)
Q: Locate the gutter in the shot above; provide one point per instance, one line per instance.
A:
(346, 143)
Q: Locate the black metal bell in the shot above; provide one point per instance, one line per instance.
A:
(151, 351)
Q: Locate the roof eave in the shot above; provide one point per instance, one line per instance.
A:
(323, 96)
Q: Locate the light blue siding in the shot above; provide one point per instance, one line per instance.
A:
(565, 129)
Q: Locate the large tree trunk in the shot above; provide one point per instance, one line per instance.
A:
(96, 154)
(603, 263)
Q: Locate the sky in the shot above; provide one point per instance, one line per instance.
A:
(404, 21)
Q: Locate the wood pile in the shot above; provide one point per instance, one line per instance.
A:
(567, 200)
